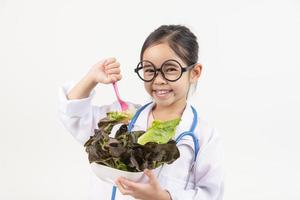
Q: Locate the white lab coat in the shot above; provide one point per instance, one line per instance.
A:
(80, 118)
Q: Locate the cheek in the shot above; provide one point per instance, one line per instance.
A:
(147, 87)
(181, 87)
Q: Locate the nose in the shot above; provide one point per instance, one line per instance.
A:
(159, 79)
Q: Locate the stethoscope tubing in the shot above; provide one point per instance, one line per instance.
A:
(186, 133)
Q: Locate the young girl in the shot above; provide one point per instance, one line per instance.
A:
(168, 68)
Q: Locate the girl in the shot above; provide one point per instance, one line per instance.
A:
(168, 67)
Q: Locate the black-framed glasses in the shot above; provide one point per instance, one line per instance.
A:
(170, 70)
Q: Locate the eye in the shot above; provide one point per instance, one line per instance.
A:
(148, 69)
(169, 68)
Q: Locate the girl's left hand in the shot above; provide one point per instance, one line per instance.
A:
(143, 191)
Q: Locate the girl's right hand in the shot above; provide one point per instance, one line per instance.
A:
(106, 71)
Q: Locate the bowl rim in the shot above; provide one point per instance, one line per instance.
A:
(125, 174)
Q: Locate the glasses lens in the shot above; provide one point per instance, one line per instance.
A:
(172, 70)
(146, 70)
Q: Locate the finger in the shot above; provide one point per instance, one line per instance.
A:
(113, 71)
(100, 63)
(112, 66)
(110, 60)
(104, 63)
(151, 176)
(116, 77)
(130, 184)
(122, 188)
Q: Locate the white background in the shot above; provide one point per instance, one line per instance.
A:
(249, 88)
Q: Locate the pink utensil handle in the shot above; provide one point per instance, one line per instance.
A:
(116, 91)
(123, 104)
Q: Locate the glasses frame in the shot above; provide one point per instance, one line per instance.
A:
(157, 70)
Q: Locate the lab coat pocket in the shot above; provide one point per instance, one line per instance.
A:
(174, 183)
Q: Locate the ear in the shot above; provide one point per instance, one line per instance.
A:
(195, 73)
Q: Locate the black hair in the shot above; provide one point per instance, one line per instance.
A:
(180, 39)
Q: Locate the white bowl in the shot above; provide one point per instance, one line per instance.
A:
(110, 174)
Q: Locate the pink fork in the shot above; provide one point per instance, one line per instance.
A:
(123, 104)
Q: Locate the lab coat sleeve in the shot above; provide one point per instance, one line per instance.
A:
(79, 116)
(208, 173)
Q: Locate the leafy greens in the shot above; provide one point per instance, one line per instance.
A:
(132, 151)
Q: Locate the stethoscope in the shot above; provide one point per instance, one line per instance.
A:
(186, 133)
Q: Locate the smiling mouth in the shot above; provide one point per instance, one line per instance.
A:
(162, 92)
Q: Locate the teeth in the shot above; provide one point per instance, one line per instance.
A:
(162, 91)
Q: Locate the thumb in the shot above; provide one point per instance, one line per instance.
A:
(104, 62)
(151, 176)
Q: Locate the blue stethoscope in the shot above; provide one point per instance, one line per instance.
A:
(186, 133)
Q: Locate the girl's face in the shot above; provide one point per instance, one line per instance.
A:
(166, 93)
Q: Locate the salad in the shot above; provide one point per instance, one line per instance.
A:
(132, 151)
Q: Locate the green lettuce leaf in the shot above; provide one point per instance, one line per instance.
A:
(160, 132)
(119, 116)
